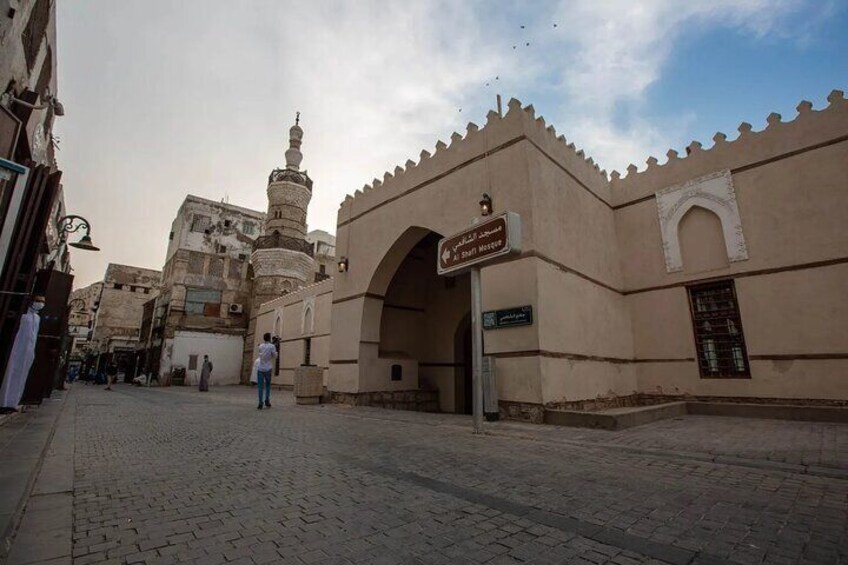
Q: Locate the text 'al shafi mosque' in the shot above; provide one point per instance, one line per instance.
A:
(719, 274)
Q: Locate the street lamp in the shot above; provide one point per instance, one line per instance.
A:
(343, 265)
(67, 225)
(50, 101)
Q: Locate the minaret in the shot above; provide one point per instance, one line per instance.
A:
(282, 258)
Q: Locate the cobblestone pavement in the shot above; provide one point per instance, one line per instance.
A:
(168, 475)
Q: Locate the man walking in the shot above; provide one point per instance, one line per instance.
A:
(267, 354)
(111, 375)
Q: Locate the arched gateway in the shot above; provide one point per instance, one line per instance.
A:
(614, 318)
(399, 330)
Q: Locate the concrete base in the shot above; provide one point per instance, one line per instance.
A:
(622, 418)
(772, 411)
(615, 418)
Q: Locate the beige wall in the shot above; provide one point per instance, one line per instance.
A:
(790, 185)
(284, 318)
(380, 237)
(610, 320)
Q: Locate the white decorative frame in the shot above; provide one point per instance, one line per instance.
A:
(713, 192)
(308, 313)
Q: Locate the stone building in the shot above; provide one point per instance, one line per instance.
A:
(324, 253)
(118, 315)
(81, 307)
(222, 262)
(718, 274)
(32, 259)
(205, 297)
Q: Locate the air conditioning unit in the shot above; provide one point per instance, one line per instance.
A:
(236, 309)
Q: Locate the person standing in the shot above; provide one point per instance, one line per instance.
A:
(111, 375)
(21, 358)
(205, 374)
(267, 354)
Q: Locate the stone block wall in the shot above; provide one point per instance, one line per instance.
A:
(414, 400)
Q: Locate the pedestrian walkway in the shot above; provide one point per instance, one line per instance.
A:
(170, 475)
(24, 437)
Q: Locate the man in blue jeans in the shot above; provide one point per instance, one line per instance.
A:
(267, 354)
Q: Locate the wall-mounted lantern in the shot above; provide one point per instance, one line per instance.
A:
(486, 207)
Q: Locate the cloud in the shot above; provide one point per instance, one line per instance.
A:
(199, 97)
(617, 50)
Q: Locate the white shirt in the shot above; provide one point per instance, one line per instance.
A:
(267, 354)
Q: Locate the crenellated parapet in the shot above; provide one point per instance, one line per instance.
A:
(302, 293)
(518, 124)
(809, 128)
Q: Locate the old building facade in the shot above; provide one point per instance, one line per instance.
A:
(118, 313)
(324, 253)
(205, 296)
(719, 274)
(81, 308)
(33, 259)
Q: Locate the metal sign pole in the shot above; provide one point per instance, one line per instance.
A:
(477, 348)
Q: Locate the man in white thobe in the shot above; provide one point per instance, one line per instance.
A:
(20, 361)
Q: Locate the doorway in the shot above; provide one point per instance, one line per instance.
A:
(463, 394)
(425, 318)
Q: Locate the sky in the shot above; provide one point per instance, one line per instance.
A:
(164, 99)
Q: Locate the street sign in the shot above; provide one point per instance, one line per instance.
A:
(521, 316)
(490, 239)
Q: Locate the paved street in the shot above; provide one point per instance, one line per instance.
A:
(171, 475)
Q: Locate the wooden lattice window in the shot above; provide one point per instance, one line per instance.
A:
(203, 302)
(33, 34)
(719, 340)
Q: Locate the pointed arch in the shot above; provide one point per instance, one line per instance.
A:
(278, 324)
(308, 322)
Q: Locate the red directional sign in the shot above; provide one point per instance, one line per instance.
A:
(490, 239)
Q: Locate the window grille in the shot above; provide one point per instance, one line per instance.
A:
(200, 223)
(248, 228)
(307, 351)
(719, 340)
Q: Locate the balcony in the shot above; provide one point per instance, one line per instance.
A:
(278, 241)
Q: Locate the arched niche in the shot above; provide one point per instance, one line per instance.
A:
(702, 243)
(712, 192)
(307, 323)
(278, 325)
